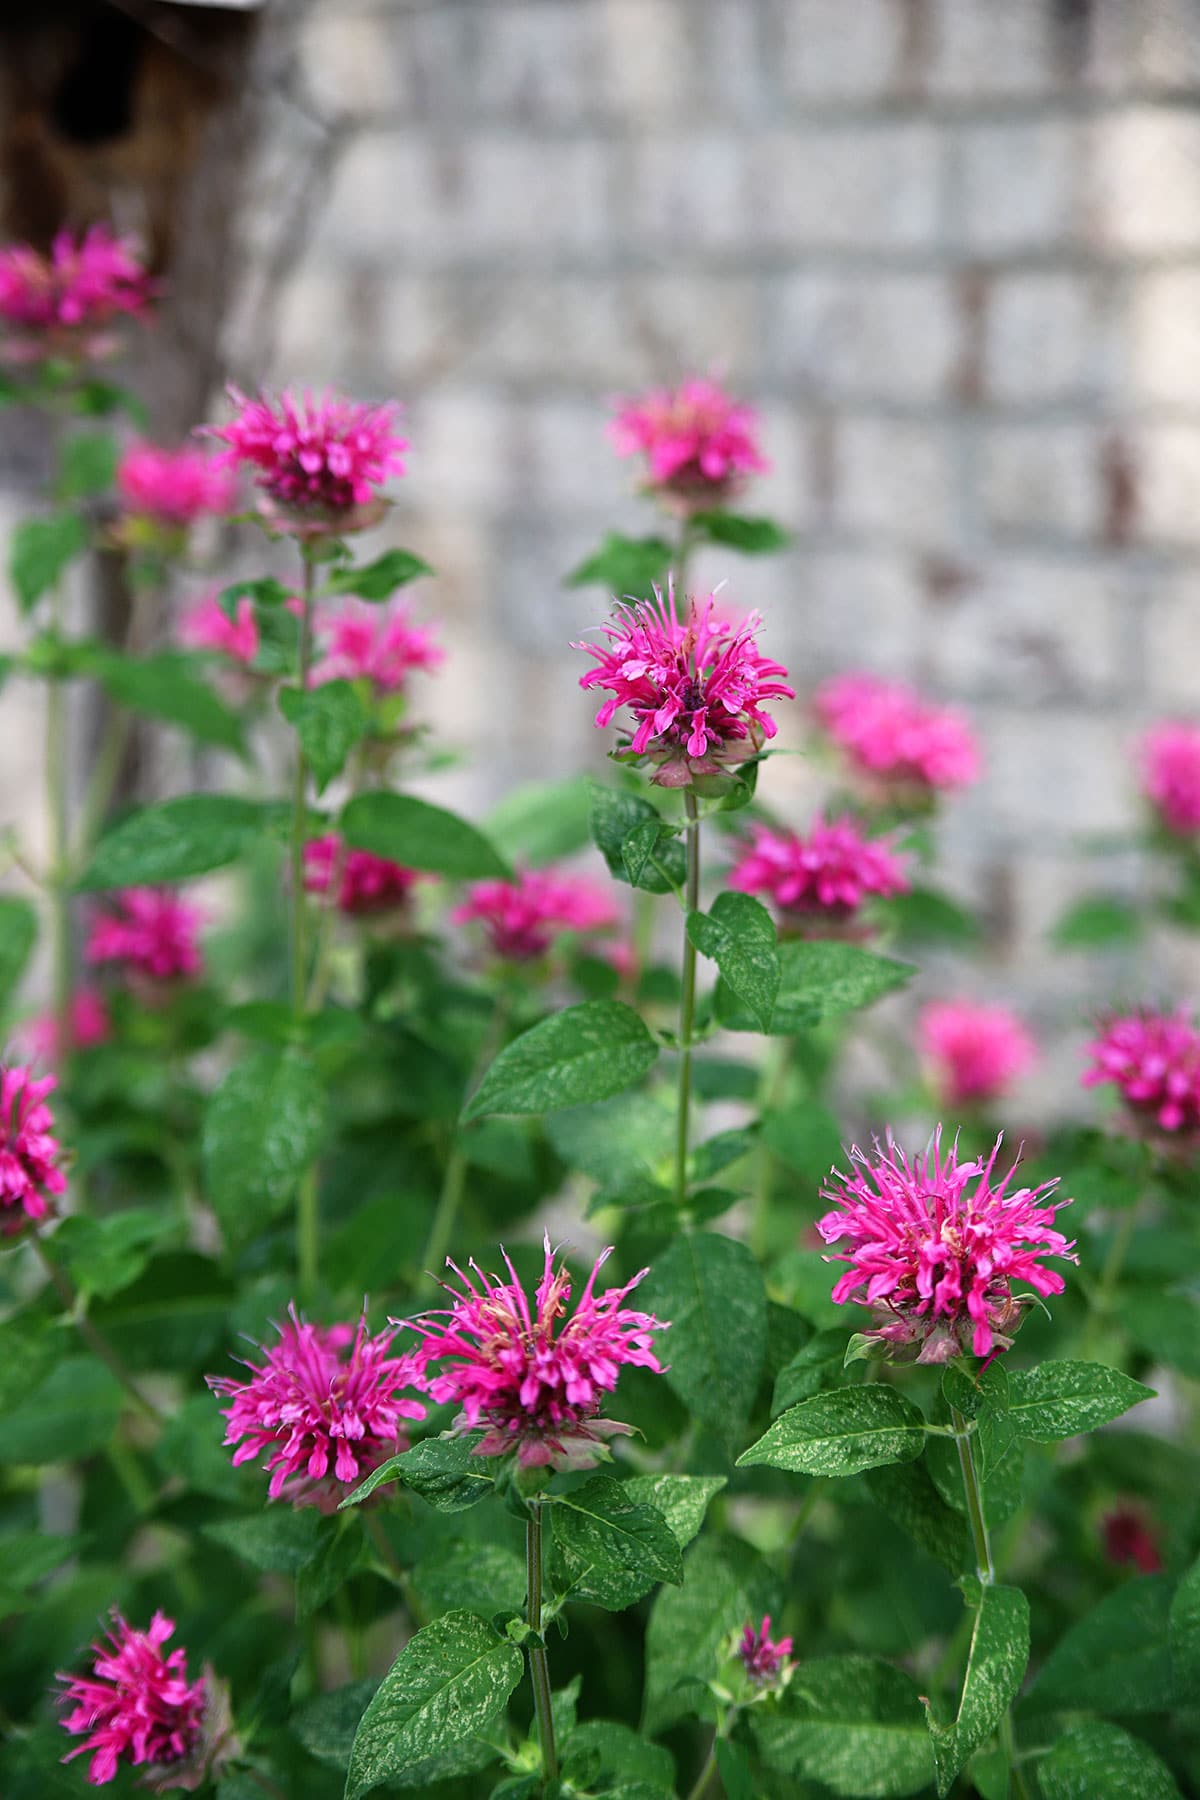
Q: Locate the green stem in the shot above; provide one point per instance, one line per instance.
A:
(771, 1088)
(92, 1336)
(308, 1221)
(687, 1000)
(445, 1217)
(985, 1569)
(539, 1668)
(58, 874)
(700, 1785)
(1110, 1274)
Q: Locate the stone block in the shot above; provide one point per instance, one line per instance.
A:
(827, 51)
(980, 49)
(868, 337)
(1163, 348)
(1172, 642)
(1167, 475)
(873, 187)
(1145, 181)
(893, 478)
(1020, 185)
(1042, 480)
(688, 192)
(1048, 339)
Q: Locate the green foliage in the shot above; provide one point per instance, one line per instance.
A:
(611, 1549)
(165, 686)
(1116, 1658)
(329, 721)
(40, 550)
(174, 840)
(1100, 922)
(538, 824)
(380, 579)
(585, 1053)
(735, 531)
(262, 1129)
(421, 836)
(737, 934)
(711, 1290)
(1096, 1758)
(1062, 1399)
(655, 860)
(817, 981)
(842, 1433)
(629, 568)
(18, 935)
(852, 1723)
(996, 1665)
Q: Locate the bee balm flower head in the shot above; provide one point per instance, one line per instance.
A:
(819, 883)
(764, 1659)
(1154, 1061)
(171, 489)
(935, 1246)
(29, 1151)
(364, 883)
(207, 626)
(534, 1375)
(137, 1706)
(326, 1404)
(1170, 766)
(320, 461)
(88, 1024)
(378, 644)
(64, 304)
(522, 918)
(150, 932)
(895, 739)
(695, 685)
(699, 443)
(973, 1051)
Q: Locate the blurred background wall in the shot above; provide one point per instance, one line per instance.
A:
(950, 248)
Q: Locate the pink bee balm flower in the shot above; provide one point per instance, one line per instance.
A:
(327, 1418)
(151, 932)
(890, 733)
(937, 1245)
(136, 1705)
(365, 883)
(828, 875)
(694, 686)
(1128, 1538)
(173, 487)
(206, 626)
(1154, 1059)
(88, 1024)
(1170, 765)
(699, 443)
(378, 644)
(59, 305)
(533, 1377)
(522, 918)
(973, 1051)
(29, 1151)
(320, 461)
(762, 1657)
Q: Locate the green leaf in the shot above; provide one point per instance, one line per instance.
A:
(485, 1579)
(924, 916)
(853, 1723)
(711, 1290)
(615, 818)
(733, 1766)
(681, 1499)
(1062, 1399)
(326, 1726)
(338, 1556)
(104, 1256)
(906, 1493)
(39, 551)
(1095, 1758)
(1116, 1659)
(606, 1749)
(166, 686)
(753, 537)
(174, 840)
(262, 1129)
(379, 580)
(1167, 1325)
(443, 1471)
(725, 1583)
(18, 935)
(739, 937)
(630, 568)
(421, 836)
(996, 1666)
(280, 1540)
(610, 1550)
(818, 981)
(1100, 922)
(543, 821)
(1184, 1633)
(329, 721)
(69, 1415)
(445, 1687)
(89, 465)
(842, 1433)
(817, 1364)
(586, 1052)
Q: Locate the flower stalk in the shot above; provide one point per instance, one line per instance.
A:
(93, 1337)
(58, 873)
(308, 1224)
(687, 999)
(539, 1668)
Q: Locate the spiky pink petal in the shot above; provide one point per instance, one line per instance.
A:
(522, 918)
(88, 1024)
(699, 443)
(973, 1051)
(1169, 755)
(365, 883)
(320, 460)
(763, 1657)
(136, 1705)
(1154, 1061)
(206, 626)
(379, 644)
(60, 305)
(173, 487)
(830, 872)
(888, 731)
(150, 932)
(29, 1151)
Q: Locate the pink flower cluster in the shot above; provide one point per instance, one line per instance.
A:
(88, 1024)
(522, 918)
(326, 1418)
(136, 1705)
(698, 442)
(695, 686)
(1154, 1059)
(973, 1051)
(533, 1376)
(1170, 766)
(207, 627)
(151, 932)
(1130, 1539)
(937, 1244)
(173, 487)
(378, 644)
(891, 734)
(320, 460)
(763, 1657)
(29, 1151)
(365, 883)
(59, 304)
(827, 875)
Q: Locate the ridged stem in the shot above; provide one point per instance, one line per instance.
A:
(687, 1000)
(539, 1668)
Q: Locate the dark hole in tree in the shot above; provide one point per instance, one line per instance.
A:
(94, 102)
